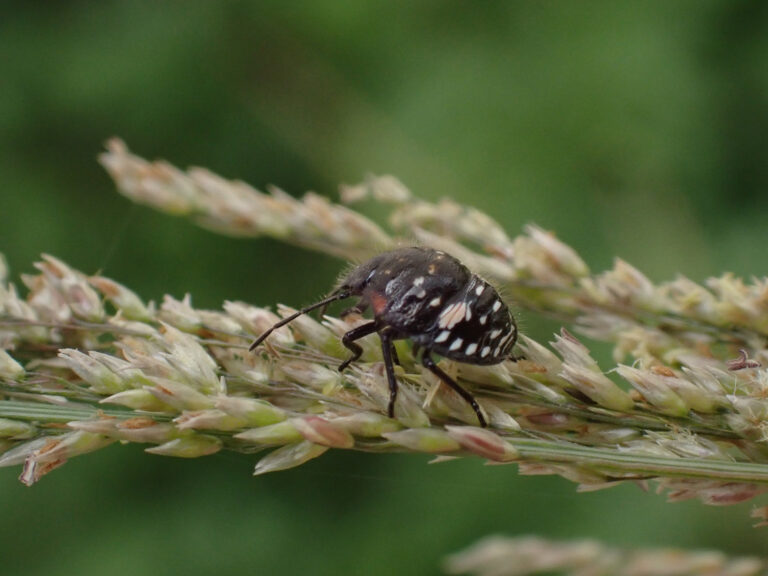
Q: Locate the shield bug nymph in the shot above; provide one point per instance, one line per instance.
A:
(431, 298)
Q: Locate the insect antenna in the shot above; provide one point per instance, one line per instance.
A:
(323, 303)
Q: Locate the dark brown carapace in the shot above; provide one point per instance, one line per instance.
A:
(432, 299)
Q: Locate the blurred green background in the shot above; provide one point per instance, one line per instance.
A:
(630, 128)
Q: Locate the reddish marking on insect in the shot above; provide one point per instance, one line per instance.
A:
(378, 302)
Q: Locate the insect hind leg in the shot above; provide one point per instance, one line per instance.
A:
(430, 365)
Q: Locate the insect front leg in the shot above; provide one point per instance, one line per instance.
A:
(349, 338)
(430, 365)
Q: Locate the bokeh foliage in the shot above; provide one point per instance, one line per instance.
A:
(632, 129)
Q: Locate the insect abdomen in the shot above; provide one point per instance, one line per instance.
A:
(474, 326)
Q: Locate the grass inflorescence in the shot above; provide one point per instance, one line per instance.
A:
(85, 362)
(526, 556)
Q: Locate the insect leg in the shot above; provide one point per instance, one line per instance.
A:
(395, 359)
(430, 365)
(386, 352)
(348, 341)
(292, 317)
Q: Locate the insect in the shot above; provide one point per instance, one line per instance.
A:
(431, 298)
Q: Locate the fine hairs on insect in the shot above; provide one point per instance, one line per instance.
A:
(430, 298)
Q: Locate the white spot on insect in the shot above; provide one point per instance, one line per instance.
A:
(479, 290)
(452, 315)
(485, 351)
(371, 275)
(497, 350)
(443, 336)
(435, 302)
(483, 319)
(468, 315)
(496, 305)
(420, 294)
(495, 334)
(506, 338)
(456, 344)
(471, 349)
(418, 281)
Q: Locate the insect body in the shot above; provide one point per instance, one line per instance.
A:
(430, 298)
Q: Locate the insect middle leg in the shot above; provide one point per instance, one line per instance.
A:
(349, 341)
(430, 365)
(395, 357)
(386, 352)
